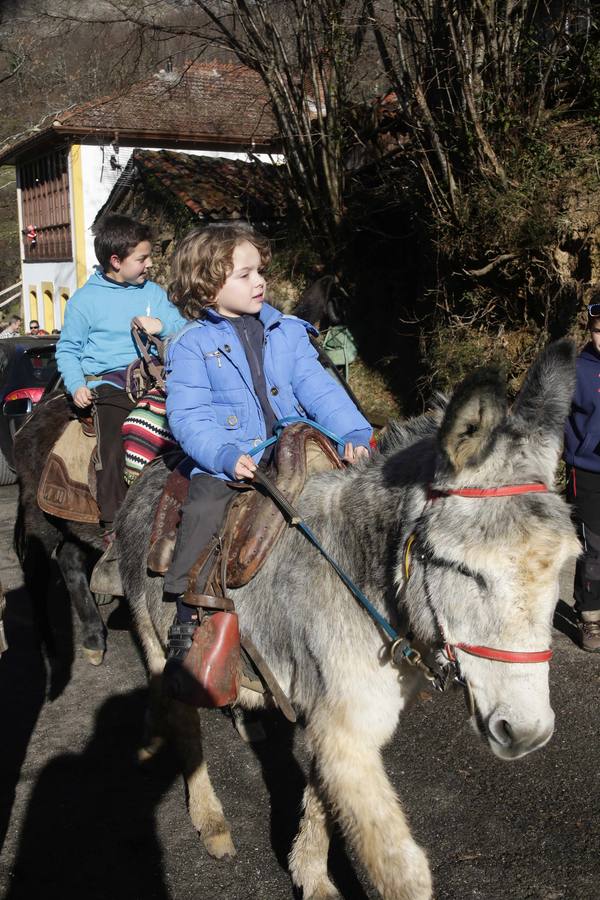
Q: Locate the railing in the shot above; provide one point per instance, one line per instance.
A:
(18, 285)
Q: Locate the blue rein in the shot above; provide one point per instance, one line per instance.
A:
(303, 527)
(280, 424)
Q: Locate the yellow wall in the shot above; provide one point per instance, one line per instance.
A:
(78, 216)
(63, 293)
(48, 296)
(33, 305)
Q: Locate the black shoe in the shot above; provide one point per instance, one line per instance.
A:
(180, 640)
(176, 679)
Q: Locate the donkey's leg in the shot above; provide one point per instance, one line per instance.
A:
(156, 711)
(348, 753)
(308, 858)
(205, 809)
(72, 561)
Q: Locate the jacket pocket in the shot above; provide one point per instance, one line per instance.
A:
(231, 408)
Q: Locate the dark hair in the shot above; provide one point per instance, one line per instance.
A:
(203, 260)
(14, 319)
(116, 235)
(34, 321)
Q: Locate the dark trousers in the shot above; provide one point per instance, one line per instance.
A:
(202, 517)
(583, 492)
(111, 408)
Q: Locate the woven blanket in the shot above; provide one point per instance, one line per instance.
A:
(146, 434)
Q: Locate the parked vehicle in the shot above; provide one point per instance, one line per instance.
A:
(27, 365)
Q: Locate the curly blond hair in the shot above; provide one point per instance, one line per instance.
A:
(203, 260)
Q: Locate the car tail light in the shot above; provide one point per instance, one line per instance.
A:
(33, 393)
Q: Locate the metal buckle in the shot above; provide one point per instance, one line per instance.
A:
(401, 651)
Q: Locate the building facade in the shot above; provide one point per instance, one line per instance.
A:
(67, 168)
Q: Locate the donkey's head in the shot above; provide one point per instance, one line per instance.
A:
(486, 566)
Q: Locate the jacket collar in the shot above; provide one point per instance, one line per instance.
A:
(268, 315)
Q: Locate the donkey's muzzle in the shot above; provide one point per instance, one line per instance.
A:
(511, 737)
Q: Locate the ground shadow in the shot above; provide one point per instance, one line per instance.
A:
(565, 621)
(23, 685)
(89, 830)
(285, 781)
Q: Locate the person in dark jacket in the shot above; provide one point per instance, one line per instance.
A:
(582, 455)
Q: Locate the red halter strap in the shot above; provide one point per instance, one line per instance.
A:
(506, 656)
(507, 490)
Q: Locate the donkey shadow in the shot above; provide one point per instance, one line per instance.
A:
(285, 780)
(89, 828)
(35, 668)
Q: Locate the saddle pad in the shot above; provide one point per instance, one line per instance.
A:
(64, 488)
(254, 523)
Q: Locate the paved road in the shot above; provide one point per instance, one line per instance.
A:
(79, 819)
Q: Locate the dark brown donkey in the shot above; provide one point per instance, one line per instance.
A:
(39, 536)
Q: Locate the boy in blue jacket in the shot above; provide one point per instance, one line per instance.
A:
(237, 367)
(96, 347)
(582, 455)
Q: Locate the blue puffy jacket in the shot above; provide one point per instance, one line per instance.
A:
(213, 410)
(582, 428)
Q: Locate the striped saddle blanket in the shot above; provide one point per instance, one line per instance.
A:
(146, 433)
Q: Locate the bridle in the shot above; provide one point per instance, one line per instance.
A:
(401, 649)
(449, 670)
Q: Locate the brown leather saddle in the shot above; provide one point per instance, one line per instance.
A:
(67, 487)
(254, 523)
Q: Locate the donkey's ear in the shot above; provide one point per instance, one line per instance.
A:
(544, 400)
(477, 407)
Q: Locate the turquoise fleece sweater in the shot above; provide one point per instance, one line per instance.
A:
(96, 335)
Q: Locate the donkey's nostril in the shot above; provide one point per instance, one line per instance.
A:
(501, 731)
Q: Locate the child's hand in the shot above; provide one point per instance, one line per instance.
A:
(82, 397)
(149, 323)
(353, 454)
(245, 467)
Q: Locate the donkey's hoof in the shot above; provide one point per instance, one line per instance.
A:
(94, 657)
(220, 846)
(149, 750)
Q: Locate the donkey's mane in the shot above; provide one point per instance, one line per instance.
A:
(400, 435)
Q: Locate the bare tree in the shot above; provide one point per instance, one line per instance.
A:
(306, 53)
(473, 77)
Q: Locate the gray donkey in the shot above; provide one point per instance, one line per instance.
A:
(450, 530)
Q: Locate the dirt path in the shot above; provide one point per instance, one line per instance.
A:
(80, 819)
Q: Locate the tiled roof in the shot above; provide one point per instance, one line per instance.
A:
(210, 102)
(211, 187)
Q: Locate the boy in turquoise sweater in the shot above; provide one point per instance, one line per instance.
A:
(96, 347)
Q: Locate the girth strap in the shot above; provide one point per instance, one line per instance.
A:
(271, 682)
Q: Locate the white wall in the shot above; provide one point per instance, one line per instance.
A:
(99, 178)
(59, 275)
